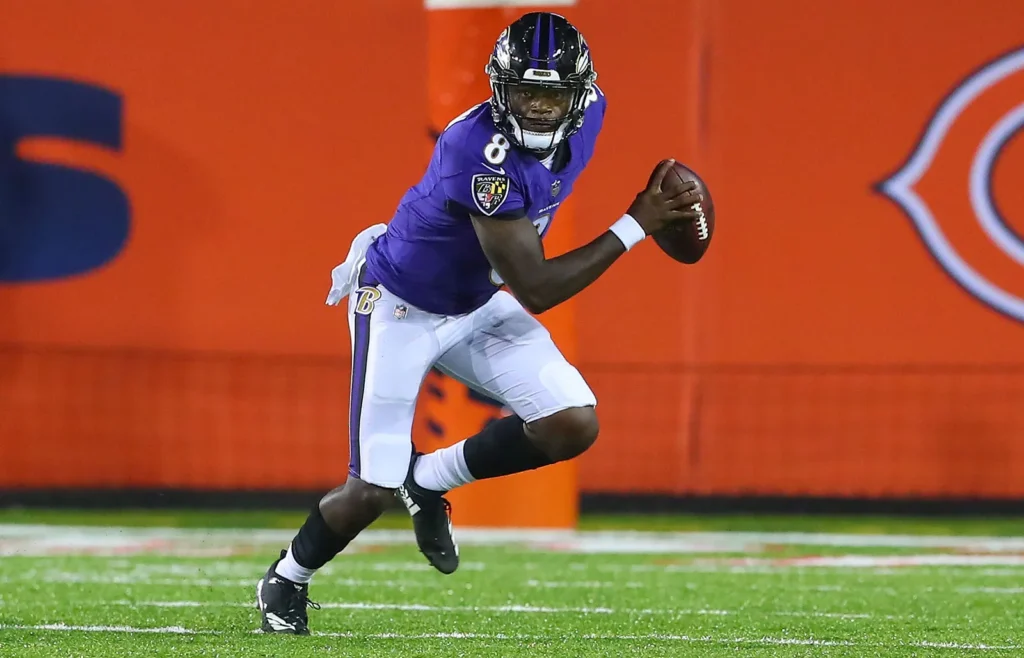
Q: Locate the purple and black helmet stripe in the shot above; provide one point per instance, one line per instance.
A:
(535, 49)
(552, 47)
(543, 46)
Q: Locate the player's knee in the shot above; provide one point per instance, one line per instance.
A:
(568, 433)
(362, 494)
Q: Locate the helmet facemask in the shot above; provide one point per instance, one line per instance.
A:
(538, 116)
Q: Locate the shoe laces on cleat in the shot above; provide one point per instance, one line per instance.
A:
(301, 600)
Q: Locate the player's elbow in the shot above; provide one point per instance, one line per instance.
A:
(535, 305)
(534, 289)
(535, 301)
(532, 295)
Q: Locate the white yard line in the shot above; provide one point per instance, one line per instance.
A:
(882, 564)
(24, 539)
(145, 579)
(175, 630)
(344, 566)
(513, 609)
(201, 578)
(760, 641)
(883, 561)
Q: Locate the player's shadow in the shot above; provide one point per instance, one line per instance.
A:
(174, 207)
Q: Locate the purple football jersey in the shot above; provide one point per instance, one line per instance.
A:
(430, 255)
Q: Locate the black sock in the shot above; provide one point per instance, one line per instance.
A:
(316, 544)
(502, 448)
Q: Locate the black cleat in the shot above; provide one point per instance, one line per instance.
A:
(432, 521)
(283, 603)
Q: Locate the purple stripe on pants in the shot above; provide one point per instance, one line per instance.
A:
(360, 356)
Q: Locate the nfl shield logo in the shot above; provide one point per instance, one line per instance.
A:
(401, 311)
(489, 192)
(556, 187)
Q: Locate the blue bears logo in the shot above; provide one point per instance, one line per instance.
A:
(57, 221)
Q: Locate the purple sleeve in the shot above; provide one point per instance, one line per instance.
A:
(478, 175)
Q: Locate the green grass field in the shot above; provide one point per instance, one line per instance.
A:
(79, 584)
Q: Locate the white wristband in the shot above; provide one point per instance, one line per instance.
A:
(628, 230)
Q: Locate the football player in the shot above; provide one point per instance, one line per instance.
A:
(426, 291)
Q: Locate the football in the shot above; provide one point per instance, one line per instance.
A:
(687, 241)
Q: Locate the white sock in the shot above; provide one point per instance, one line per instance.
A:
(443, 470)
(292, 570)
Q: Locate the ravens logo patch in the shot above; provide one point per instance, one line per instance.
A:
(489, 192)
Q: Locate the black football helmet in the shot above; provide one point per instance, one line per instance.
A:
(541, 54)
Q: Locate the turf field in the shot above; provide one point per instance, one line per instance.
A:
(91, 584)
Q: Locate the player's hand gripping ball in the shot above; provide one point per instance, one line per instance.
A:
(687, 240)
